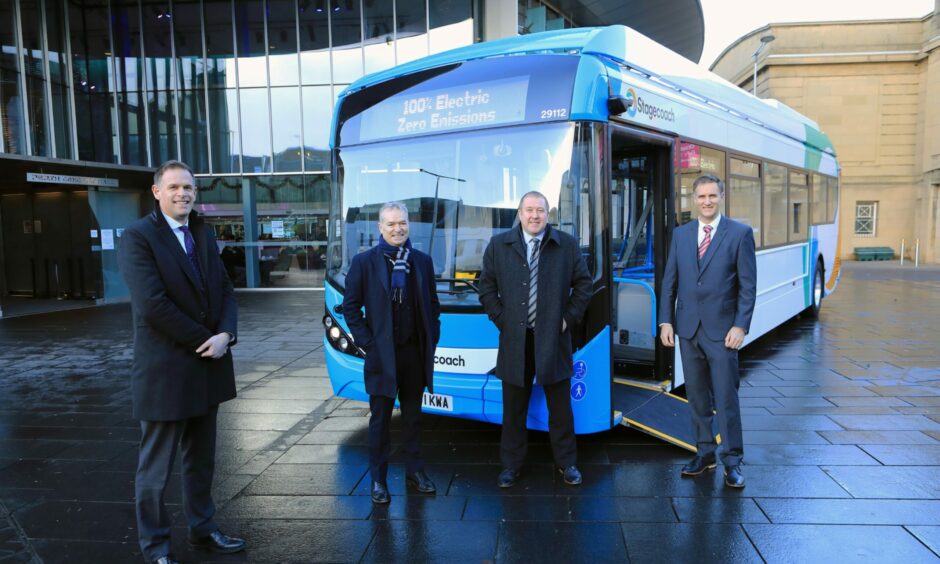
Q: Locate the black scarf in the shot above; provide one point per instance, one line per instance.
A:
(401, 267)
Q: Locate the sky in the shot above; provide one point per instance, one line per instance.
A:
(728, 20)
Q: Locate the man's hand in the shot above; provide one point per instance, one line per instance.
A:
(667, 335)
(735, 338)
(215, 347)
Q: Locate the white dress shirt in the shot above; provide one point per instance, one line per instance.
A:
(175, 227)
(528, 242)
(701, 228)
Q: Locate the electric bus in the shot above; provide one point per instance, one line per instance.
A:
(613, 128)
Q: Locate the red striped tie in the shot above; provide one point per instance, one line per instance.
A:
(706, 241)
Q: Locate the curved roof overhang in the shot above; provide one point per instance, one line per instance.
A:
(677, 24)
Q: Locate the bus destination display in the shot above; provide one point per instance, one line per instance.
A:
(477, 104)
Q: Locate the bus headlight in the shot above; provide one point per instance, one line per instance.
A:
(335, 333)
(343, 344)
(328, 321)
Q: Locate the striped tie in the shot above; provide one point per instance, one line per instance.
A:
(533, 281)
(706, 241)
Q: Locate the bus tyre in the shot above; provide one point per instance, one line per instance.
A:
(817, 291)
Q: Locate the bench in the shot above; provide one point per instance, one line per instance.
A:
(874, 253)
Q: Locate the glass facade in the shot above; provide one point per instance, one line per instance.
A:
(241, 90)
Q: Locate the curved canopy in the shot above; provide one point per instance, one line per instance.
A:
(677, 24)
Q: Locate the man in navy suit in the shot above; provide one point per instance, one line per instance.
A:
(708, 293)
(184, 323)
(394, 283)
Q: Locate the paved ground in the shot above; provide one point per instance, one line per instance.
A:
(842, 434)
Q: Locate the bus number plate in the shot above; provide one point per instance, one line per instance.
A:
(439, 402)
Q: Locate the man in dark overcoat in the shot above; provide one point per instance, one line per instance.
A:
(391, 307)
(535, 287)
(185, 320)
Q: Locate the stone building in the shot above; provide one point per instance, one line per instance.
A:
(874, 88)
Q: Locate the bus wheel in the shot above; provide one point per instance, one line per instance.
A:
(817, 291)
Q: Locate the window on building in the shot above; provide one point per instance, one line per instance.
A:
(866, 219)
(744, 196)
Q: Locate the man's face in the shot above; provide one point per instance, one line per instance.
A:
(176, 193)
(533, 215)
(708, 198)
(393, 225)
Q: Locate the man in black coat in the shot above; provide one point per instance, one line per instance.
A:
(398, 332)
(185, 319)
(535, 287)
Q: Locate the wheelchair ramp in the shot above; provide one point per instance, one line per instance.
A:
(654, 411)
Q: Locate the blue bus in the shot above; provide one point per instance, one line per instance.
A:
(613, 128)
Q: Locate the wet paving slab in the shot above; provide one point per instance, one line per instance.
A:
(841, 421)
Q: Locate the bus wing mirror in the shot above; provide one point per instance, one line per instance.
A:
(617, 105)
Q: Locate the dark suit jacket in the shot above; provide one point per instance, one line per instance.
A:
(367, 286)
(564, 291)
(173, 316)
(717, 292)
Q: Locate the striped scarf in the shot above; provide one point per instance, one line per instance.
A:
(400, 257)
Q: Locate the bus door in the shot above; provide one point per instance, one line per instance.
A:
(640, 197)
(640, 185)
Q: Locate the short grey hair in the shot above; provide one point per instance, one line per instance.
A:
(400, 206)
(531, 194)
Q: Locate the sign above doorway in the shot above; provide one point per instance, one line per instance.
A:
(68, 179)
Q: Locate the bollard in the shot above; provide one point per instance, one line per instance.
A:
(902, 252)
(916, 253)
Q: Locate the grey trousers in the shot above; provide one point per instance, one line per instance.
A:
(159, 441)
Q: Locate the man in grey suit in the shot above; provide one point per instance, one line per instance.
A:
(708, 293)
(184, 323)
(535, 287)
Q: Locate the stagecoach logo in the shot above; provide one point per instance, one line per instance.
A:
(651, 111)
(464, 361)
(631, 102)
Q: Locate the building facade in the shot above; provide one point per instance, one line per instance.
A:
(874, 88)
(96, 93)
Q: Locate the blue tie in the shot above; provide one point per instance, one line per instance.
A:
(191, 253)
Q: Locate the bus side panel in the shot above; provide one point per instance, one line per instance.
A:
(781, 292)
(590, 392)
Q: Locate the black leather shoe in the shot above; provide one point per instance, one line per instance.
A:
(164, 560)
(420, 481)
(217, 541)
(572, 475)
(734, 478)
(380, 493)
(698, 465)
(507, 478)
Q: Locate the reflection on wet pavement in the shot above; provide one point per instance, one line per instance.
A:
(842, 438)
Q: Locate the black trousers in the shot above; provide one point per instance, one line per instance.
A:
(514, 440)
(409, 369)
(711, 383)
(159, 440)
